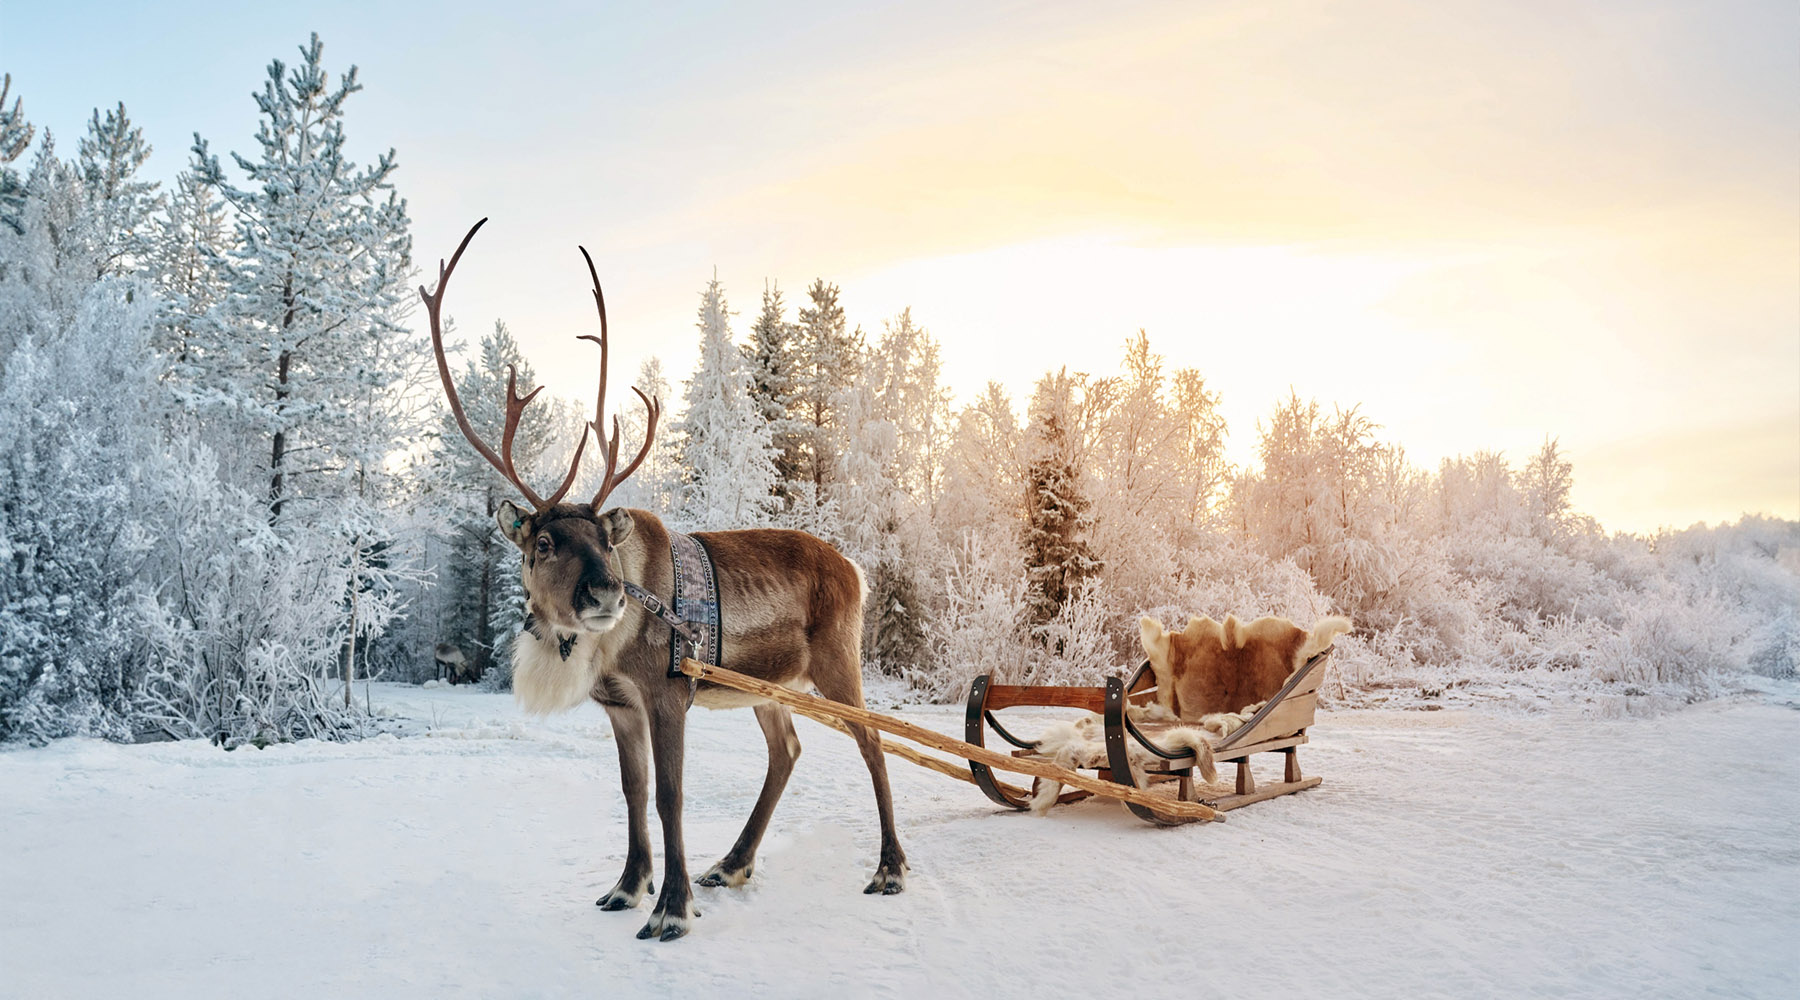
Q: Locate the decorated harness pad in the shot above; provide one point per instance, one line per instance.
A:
(693, 616)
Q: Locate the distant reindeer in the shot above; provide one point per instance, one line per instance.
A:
(453, 666)
(792, 615)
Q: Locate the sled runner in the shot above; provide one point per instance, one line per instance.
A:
(1279, 726)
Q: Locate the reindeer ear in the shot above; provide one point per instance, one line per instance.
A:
(617, 525)
(514, 523)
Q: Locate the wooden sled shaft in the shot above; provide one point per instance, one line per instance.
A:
(814, 707)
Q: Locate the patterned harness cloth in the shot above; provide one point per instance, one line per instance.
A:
(693, 615)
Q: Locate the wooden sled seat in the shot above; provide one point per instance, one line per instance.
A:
(1279, 726)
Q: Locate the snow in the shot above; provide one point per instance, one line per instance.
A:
(1456, 853)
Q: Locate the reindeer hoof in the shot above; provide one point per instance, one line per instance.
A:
(619, 899)
(666, 926)
(887, 882)
(721, 876)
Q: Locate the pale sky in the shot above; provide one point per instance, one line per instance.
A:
(1484, 222)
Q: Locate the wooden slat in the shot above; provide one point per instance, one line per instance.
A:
(1293, 714)
(1008, 695)
(814, 708)
(1225, 803)
(1246, 750)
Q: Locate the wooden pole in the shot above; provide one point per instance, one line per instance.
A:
(907, 753)
(813, 707)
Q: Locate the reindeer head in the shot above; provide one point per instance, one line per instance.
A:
(571, 565)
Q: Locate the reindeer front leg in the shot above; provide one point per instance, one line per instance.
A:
(631, 734)
(674, 913)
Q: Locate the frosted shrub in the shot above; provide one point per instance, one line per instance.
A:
(980, 630)
(247, 632)
(1076, 647)
(1224, 578)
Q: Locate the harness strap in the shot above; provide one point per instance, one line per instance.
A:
(655, 606)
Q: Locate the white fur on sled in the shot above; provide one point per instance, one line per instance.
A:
(1083, 744)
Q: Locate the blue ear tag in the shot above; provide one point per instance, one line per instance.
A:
(518, 524)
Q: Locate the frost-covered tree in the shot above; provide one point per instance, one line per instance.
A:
(482, 579)
(1058, 559)
(1204, 473)
(320, 268)
(725, 441)
(15, 136)
(892, 429)
(772, 357)
(1546, 482)
(906, 368)
(80, 473)
(48, 264)
(189, 261)
(1314, 501)
(109, 158)
(827, 356)
(1138, 437)
(657, 484)
(984, 483)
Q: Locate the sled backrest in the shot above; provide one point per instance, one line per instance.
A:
(1290, 711)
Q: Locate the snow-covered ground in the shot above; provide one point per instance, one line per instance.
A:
(1447, 854)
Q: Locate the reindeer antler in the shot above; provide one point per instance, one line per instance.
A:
(515, 404)
(651, 405)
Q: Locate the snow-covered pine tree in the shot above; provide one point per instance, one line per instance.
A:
(827, 361)
(725, 444)
(188, 262)
(771, 354)
(482, 609)
(320, 268)
(15, 136)
(48, 264)
(125, 208)
(1058, 559)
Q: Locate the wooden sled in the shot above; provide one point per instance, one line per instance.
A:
(1278, 727)
(1161, 808)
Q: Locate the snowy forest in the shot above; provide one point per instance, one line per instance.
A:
(231, 492)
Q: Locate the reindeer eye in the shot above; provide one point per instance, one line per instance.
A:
(543, 545)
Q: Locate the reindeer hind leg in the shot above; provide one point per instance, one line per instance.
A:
(839, 678)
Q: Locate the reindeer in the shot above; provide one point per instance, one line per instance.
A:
(792, 614)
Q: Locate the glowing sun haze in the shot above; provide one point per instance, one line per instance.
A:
(1484, 222)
